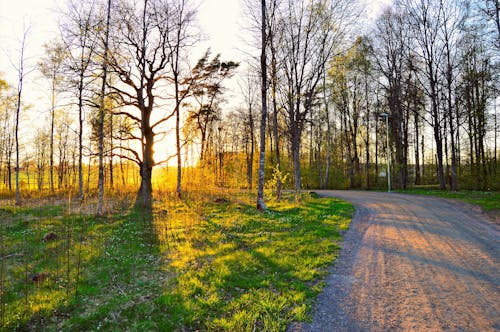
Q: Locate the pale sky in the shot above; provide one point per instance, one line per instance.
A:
(219, 19)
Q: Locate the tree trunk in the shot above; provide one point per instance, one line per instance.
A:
(101, 115)
(417, 152)
(18, 112)
(111, 149)
(80, 133)
(274, 79)
(263, 67)
(144, 198)
(296, 160)
(437, 134)
(252, 150)
(51, 148)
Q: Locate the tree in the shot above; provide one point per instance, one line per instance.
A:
(51, 66)
(7, 103)
(102, 111)
(450, 29)
(247, 113)
(263, 72)
(312, 32)
(206, 88)
(178, 42)
(139, 57)
(21, 75)
(78, 30)
(425, 18)
(474, 86)
(391, 46)
(41, 142)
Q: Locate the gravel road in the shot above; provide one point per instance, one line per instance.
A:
(412, 263)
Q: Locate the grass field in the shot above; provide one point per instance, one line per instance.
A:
(487, 200)
(202, 263)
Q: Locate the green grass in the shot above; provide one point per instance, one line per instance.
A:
(192, 265)
(487, 200)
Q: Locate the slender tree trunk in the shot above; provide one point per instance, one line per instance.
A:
(263, 67)
(80, 131)
(111, 149)
(417, 152)
(101, 114)
(250, 155)
(296, 159)
(18, 112)
(51, 143)
(495, 143)
(279, 185)
(376, 149)
(328, 138)
(437, 134)
(367, 141)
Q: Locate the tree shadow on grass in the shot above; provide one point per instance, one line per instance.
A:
(261, 270)
(114, 277)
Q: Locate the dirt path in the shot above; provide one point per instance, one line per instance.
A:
(412, 263)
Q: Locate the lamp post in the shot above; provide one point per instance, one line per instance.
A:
(386, 116)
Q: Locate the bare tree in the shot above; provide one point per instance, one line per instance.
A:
(139, 57)
(41, 141)
(261, 205)
(179, 42)
(78, 27)
(21, 75)
(391, 45)
(426, 19)
(52, 68)
(102, 111)
(247, 114)
(312, 32)
(450, 29)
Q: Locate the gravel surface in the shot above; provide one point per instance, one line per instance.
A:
(411, 263)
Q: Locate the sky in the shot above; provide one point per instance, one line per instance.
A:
(219, 20)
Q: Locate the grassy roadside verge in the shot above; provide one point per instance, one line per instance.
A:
(196, 264)
(487, 200)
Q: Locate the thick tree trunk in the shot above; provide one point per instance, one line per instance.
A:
(144, 199)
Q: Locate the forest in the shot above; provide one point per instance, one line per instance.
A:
(140, 122)
(122, 83)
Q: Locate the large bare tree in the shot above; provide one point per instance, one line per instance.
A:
(140, 58)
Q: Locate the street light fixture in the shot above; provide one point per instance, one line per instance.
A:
(386, 116)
